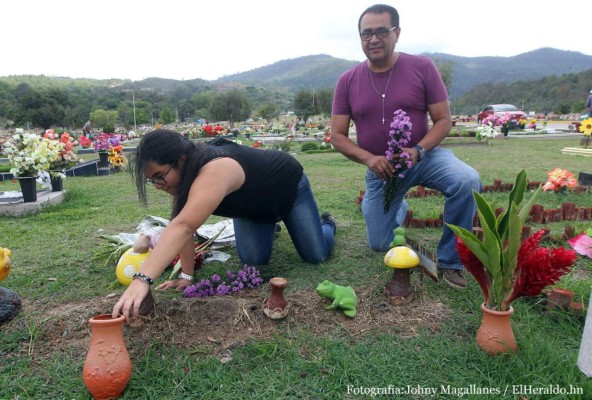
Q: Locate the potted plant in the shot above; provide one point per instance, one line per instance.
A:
(62, 147)
(103, 144)
(505, 267)
(29, 155)
(506, 122)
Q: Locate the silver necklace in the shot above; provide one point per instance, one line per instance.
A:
(382, 95)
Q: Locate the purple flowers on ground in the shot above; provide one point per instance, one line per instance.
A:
(399, 136)
(248, 277)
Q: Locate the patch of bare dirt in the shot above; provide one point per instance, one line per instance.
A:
(216, 324)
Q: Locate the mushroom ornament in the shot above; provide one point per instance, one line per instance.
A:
(401, 259)
(5, 263)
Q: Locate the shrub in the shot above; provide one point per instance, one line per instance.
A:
(309, 146)
(283, 146)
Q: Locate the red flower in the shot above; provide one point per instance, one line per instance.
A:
(474, 266)
(199, 257)
(538, 267)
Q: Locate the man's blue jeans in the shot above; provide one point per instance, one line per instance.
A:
(312, 238)
(439, 170)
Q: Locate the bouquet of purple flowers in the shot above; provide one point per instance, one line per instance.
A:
(246, 278)
(399, 136)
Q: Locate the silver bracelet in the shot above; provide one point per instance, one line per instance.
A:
(183, 275)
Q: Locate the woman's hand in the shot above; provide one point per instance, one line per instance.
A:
(130, 301)
(179, 284)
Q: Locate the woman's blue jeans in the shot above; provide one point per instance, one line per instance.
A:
(440, 170)
(313, 238)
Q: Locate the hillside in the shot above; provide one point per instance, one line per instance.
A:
(545, 80)
(469, 72)
(316, 71)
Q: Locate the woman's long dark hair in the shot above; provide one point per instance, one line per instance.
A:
(164, 146)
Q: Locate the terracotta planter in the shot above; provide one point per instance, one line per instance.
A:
(495, 334)
(276, 306)
(107, 367)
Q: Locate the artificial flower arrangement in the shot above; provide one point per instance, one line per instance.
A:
(559, 180)
(29, 154)
(116, 157)
(532, 123)
(586, 129)
(505, 267)
(399, 136)
(506, 120)
(63, 145)
(84, 142)
(582, 243)
(487, 128)
(210, 130)
(104, 141)
(522, 123)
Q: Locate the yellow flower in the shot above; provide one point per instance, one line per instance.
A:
(586, 127)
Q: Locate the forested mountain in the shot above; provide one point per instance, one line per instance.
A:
(545, 80)
(469, 72)
(317, 71)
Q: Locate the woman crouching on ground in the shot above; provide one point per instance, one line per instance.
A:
(256, 188)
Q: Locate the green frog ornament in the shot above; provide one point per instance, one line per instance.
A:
(343, 297)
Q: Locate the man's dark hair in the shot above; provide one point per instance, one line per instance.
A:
(379, 9)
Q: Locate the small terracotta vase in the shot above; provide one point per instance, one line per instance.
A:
(495, 334)
(276, 306)
(107, 367)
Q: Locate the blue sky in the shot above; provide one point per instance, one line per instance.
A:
(180, 39)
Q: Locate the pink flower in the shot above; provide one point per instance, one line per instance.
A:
(582, 244)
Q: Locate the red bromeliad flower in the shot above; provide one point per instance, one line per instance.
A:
(474, 266)
(536, 268)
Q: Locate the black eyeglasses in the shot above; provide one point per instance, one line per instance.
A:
(380, 33)
(159, 180)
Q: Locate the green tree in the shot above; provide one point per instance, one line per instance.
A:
(231, 106)
(43, 107)
(267, 111)
(104, 119)
(324, 101)
(167, 115)
(304, 105)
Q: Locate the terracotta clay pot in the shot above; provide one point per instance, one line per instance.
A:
(495, 334)
(276, 306)
(107, 367)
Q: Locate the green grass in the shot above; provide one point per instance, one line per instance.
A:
(54, 269)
